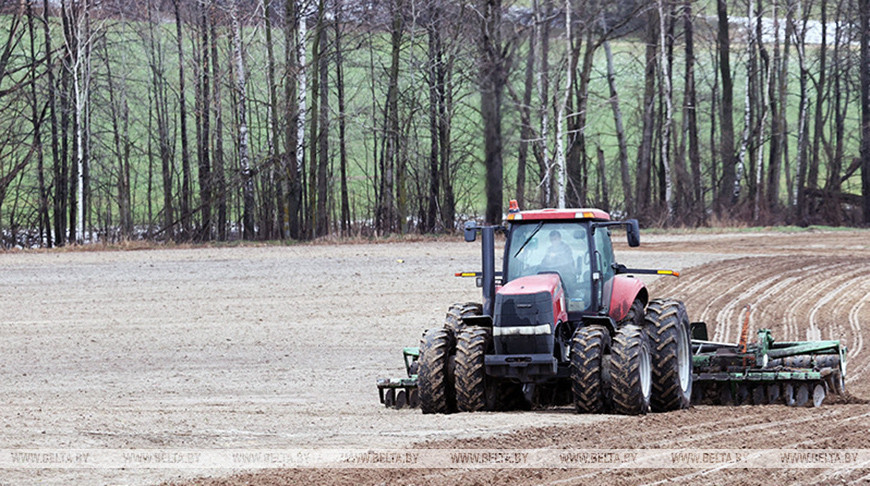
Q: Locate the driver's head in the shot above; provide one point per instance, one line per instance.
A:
(555, 236)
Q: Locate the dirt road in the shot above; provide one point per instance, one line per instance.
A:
(279, 347)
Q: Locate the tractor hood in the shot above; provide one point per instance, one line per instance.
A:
(527, 310)
(532, 284)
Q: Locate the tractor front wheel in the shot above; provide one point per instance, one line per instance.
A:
(630, 371)
(472, 344)
(588, 348)
(434, 375)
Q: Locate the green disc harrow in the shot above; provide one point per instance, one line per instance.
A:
(795, 373)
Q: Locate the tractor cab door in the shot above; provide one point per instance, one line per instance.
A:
(604, 271)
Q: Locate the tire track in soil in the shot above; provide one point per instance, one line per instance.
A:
(840, 293)
(855, 324)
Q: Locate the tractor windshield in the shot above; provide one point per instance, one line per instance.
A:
(554, 247)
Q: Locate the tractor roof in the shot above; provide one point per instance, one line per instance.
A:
(551, 213)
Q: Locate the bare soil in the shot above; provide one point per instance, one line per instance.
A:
(279, 347)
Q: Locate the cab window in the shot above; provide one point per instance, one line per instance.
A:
(561, 248)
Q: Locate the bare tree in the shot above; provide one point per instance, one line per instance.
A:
(726, 138)
(864, 13)
(645, 154)
(182, 113)
(77, 43)
(494, 63)
(664, 18)
(203, 120)
(219, 181)
(619, 125)
(342, 121)
(560, 165)
(241, 110)
(690, 115)
(44, 222)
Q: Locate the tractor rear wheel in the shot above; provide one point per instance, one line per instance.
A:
(434, 375)
(669, 331)
(588, 347)
(472, 344)
(630, 371)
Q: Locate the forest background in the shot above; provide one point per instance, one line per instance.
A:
(199, 120)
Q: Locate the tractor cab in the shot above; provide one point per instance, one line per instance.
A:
(568, 243)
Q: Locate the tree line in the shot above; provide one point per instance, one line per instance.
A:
(197, 120)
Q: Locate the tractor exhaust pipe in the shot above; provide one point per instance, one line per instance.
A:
(487, 234)
(487, 277)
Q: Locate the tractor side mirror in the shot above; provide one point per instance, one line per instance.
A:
(470, 231)
(699, 331)
(633, 233)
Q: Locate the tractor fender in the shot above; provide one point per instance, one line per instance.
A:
(625, 290)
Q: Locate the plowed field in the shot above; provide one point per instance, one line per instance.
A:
(280, 347)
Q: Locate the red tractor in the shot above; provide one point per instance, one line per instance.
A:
(561, 323)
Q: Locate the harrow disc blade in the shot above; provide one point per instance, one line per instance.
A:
(818, 395)
(788, 394)
(774, 393)
(801, 395)
(698, 393)
(390, 398)
(401, 399)
(837, 383)
(413, 398)
(759, 395)
(725, 395)
(743, 394)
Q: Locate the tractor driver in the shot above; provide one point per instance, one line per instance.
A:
(559, 254)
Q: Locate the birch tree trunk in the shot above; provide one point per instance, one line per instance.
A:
(765, 84)
(669, 113)
(302, 83)
(76, 46)
(560, 164)
(292, 113)
(542, 27)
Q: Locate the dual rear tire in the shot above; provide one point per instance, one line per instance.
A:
(668, 329)
(640, 368)
(611, 374)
